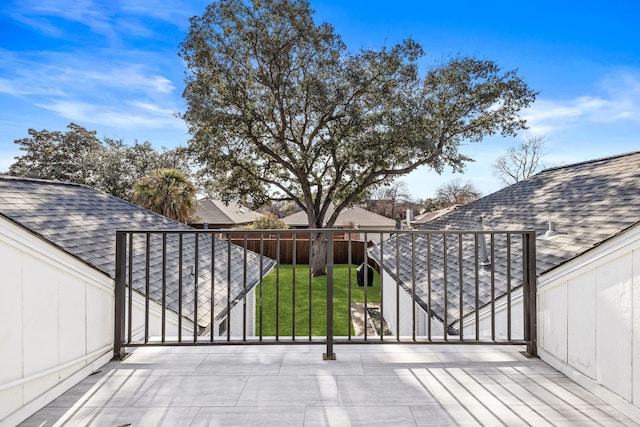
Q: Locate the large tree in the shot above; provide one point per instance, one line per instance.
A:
(385, 200)
(279, 109)
(78, 156)
(72, 156)
(455, 192)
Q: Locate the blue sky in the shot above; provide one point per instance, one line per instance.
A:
(112, 66)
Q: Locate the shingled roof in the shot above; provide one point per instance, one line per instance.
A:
(587, 203)
(348, 218)
(224, 215)
(83, 221)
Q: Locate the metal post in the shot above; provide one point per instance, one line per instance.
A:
(330, 355)
(121, 267)
(531, 290)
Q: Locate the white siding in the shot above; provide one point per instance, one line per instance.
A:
(56, 319)
(589, 320)
(581, 337)
(390, 294)
(238, 320)
(501, 310)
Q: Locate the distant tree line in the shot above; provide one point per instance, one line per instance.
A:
(78, 156)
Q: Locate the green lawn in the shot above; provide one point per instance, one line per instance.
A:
(283, 288)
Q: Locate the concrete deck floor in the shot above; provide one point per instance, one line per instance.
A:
(368, 385)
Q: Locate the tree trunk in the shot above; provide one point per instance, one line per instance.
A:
(319, 254)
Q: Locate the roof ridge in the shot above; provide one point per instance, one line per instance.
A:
(45, 181)
(602, 159)
(86, 187)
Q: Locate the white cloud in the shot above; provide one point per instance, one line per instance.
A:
(105, 17)
(70, 75)
(38, 14)
(619, 100)
(176, 12)
(132, 115)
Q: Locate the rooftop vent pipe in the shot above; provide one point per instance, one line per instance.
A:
(551, 230)
(484, 255)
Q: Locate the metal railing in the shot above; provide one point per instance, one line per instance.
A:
(211, 287)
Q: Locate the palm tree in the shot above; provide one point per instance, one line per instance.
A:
(167, 192)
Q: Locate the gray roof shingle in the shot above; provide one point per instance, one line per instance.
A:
(588, 203)
(83, 222)
(217, 212)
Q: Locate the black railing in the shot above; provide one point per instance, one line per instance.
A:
(207, 287)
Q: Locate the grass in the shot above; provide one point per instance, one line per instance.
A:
(278, 285)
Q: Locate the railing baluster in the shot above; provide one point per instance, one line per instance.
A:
(164, 287)
(195, 286)
(365, 278)
(349, 296)
(228, 287)
(180, 248)
(397, 292)
(130, 301)
(244, 289)
(509, 287)
(477, 285)
(446, 290)
(119, 297)
(493, 289)
(461, 287)
(212, 319)
(366, 284)
(146, 286)
(329, 355)
(429, 305)
(293, 287)
(260, 283)
(530, 291)
(278, 287)
(310, 287)
(413, 286)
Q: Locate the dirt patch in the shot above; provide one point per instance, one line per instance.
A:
(372, 322)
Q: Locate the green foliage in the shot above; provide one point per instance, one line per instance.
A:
(280, 285)
(268, 221)
(73, 156)
(279, 109)
(78, 156)
(167, 192)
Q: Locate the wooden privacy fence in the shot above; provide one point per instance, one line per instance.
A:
(340, 250)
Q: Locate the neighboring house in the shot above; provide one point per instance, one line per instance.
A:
(218, 214)
(392, 208)
(355, 218)
(430, 216)
(587, 221)
(57, 263)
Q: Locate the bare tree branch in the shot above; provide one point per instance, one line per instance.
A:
(521, 161)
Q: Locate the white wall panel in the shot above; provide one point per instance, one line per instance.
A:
(581, 335)
(552, 311)
(43, 314)
(10, 313)
(635, 286)
(613, 325)
(41, 328)
(71, 319)
(603, 315)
